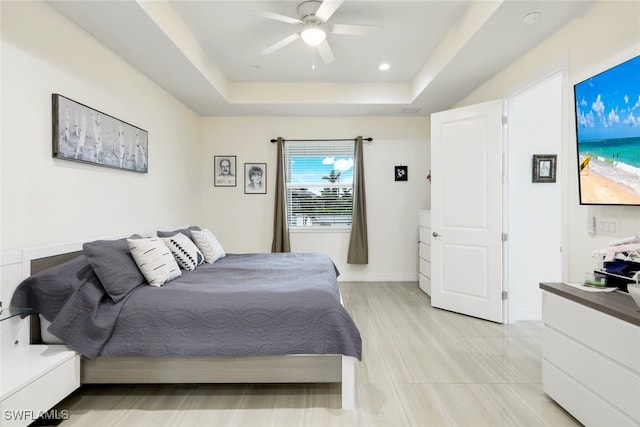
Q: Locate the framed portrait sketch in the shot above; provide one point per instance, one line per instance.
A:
(83, 134)
(225, 171)
(255, 178)
(544, 168)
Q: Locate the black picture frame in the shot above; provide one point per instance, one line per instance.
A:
(544, 168)
(225, 172)
(84, 134)
(255, 170)
(401, 173)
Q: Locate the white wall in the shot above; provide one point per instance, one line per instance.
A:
(534, 209)
(608, 33)
(47, 201)
(244, 222)
(50, 201)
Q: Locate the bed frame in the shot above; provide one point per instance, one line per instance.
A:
(254, 369)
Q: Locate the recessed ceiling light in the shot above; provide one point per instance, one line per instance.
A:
(531, 17)
(384, 66)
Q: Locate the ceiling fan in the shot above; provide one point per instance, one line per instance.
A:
(313, 16)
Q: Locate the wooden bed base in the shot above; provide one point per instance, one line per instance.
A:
(245, 370)
(254, 369)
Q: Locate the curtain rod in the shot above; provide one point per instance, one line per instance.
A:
(319, 140)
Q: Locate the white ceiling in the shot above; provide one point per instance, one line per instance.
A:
(207, 53)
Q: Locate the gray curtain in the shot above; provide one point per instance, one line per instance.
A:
(358, 244)
(280, 221)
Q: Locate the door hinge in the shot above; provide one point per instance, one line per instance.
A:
(505, 120)
(504, 237)
(504, 295)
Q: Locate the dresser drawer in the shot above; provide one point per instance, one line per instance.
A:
(425, 267)
(425, 235)
(594, 329)
(589, 408)
(610, 380)
(425, 283)
(424, 251)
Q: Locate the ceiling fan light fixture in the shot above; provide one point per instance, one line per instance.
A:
(313, 36)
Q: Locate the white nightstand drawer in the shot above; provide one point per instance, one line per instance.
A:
(43, 390)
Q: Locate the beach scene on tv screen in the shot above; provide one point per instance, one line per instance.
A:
(608, 134)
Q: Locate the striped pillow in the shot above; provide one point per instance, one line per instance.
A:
(154, 259)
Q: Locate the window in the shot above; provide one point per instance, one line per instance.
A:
(319, 177)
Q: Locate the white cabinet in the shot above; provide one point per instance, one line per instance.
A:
(35, 378)
(591, 362)
(424, 252)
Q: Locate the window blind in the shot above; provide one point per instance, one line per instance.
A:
(319, 181)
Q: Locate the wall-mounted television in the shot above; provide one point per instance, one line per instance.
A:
(607, 113)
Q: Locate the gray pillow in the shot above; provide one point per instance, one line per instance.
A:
(185, 231)
(114, 266)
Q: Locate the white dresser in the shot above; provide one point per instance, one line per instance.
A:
(591, 355)
(424, 252)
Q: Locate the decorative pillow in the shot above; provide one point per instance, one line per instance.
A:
(186, 231)
(184, 251)
(209, 245)
(114, 266)
(154, 259)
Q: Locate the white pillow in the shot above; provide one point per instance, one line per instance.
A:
(154, 259)
(208, 244)
(184, 251)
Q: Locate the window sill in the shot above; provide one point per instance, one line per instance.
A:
(319, 229)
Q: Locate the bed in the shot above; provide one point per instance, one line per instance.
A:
(246, 318)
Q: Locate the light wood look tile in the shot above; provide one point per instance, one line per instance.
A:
(421, 367)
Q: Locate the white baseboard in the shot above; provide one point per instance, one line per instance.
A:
(527, 314)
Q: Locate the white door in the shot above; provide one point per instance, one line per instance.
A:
(466, 210)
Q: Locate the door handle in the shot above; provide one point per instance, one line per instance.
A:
(435, 234)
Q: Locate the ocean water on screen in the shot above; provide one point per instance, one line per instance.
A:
(615, 159)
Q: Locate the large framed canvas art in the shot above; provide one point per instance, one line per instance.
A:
(83, 134)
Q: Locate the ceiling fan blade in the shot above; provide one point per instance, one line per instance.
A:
(355, 30)
(327, 8)
(278, 17)
(325, 52)
(282, 43)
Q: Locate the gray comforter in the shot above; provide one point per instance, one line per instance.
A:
(250, 304)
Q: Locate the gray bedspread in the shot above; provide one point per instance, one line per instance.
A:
(249, 304)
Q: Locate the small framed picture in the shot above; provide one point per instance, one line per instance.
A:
(544, 168)
(225, 171)
(401, 173)
(255, 178)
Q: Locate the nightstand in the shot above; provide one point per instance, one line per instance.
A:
(34, 378)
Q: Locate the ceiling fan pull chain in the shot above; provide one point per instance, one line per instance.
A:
(313, 57)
